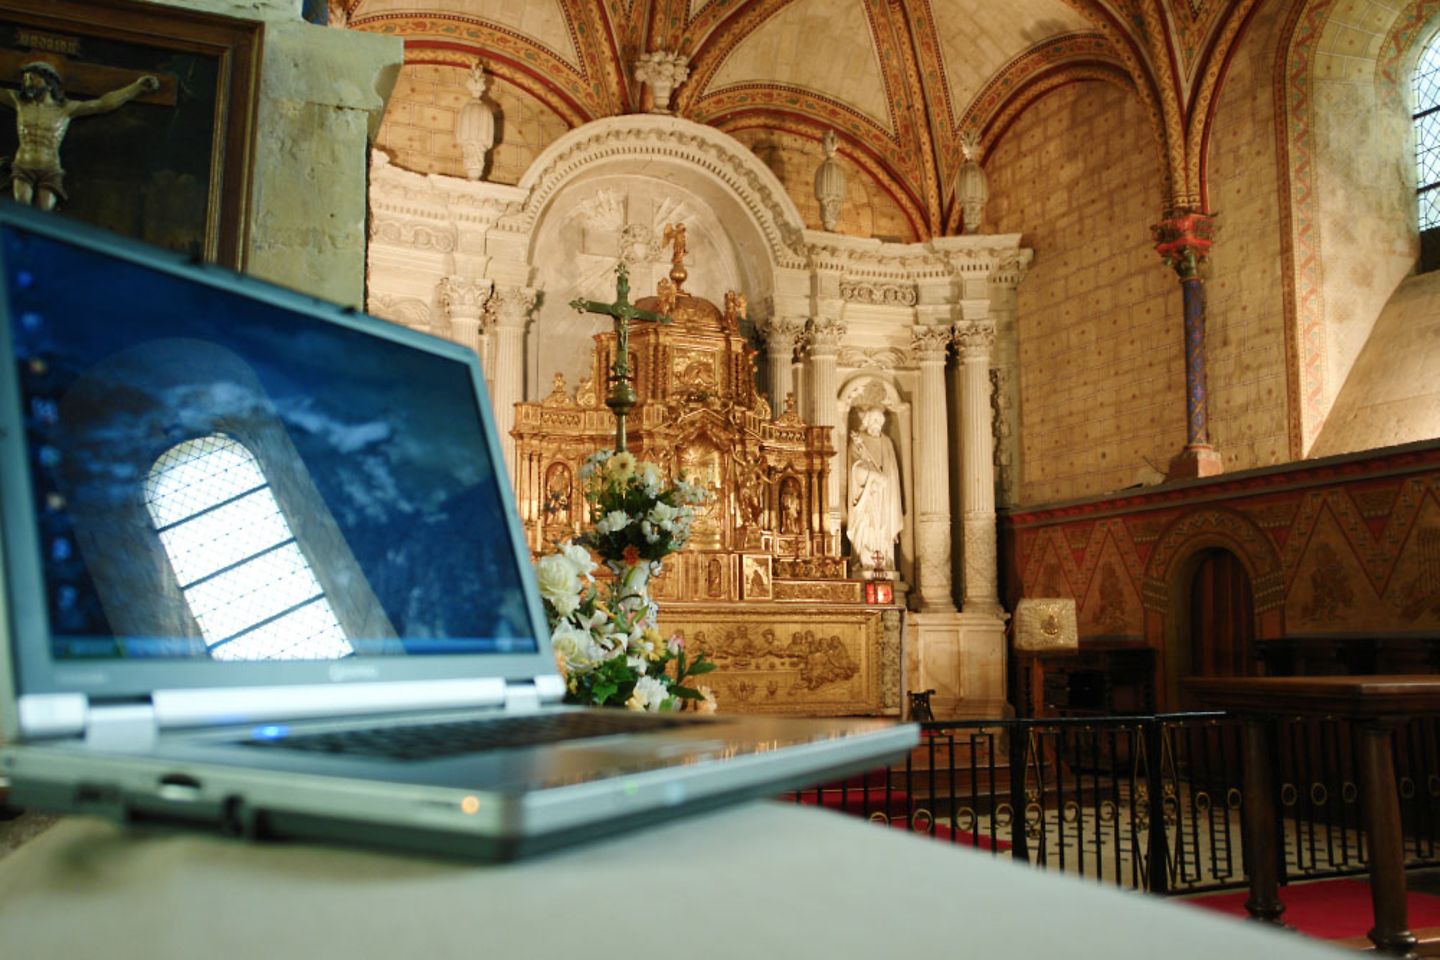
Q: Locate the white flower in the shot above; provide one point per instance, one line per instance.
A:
(650, 694)
(662, 513)
(650, 478)
(559, 583)
(579, 558)
(576, 644)
(613, 522)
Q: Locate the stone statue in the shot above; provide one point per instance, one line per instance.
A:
(43, 115)
(876, 514)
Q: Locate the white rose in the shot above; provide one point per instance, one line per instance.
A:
(559, 583)
(615, 520)
(579, 558)
(582, 654)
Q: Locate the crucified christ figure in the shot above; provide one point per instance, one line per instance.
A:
(43, 115)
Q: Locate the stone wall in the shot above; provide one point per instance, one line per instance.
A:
(1245, 310)
(1102, 380)
(419, 128)
(321, 95)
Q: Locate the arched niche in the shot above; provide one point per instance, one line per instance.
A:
(608, 189)
(858, 392)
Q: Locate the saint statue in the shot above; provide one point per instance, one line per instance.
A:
(876, 515)
(43, 115)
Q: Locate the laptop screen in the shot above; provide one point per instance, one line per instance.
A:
(221, 477)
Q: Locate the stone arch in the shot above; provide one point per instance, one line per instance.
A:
(1319, 351)
(605, 191)
(1165, 585)
(698, 153)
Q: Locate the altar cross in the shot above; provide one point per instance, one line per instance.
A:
(622, 395)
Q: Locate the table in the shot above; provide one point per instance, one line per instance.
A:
(1376, 705)
(757, 880)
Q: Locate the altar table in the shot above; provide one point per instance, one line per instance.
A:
(761, 880)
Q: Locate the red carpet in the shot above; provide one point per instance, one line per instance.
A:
(1327, 909)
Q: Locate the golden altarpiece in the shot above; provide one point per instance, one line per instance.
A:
(761, 587)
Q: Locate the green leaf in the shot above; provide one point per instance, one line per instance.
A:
(703, 666)
(685, 693)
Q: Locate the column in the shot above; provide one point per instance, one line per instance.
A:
(1183, 240)
(825, 334)
(974, 343)
(511, 307)
(464, 304)
(780, 334)
(932, 473)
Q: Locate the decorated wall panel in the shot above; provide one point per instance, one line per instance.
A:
(1345, 547)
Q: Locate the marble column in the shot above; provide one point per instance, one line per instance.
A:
(464, 304)
(780, 334)
(1183, 240)
(932, 473)
(824, 336)
(974, 342)
(511, 307)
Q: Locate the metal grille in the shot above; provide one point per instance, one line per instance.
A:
(246, 581)
(1426, 88)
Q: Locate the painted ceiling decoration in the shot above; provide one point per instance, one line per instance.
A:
(900, 81)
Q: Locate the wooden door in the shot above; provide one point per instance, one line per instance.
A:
(1222, 618)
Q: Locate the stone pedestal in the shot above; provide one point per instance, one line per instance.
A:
(961, 656)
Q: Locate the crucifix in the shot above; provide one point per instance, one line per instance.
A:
(622, 394)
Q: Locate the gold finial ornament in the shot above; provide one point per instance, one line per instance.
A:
(675, 236)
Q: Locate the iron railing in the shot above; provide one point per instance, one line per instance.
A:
(1151, 803)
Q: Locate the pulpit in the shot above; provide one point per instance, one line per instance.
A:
(762, 587)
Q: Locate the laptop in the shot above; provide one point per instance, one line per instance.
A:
(263, 573)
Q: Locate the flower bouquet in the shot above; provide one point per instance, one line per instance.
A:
(605, 638)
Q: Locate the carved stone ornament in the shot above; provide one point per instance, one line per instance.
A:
(972, 189)
(781, 332)
(825, 334)
(885, 294)
(513, 305)
(475, 125)
(930, 343)
(974, 339)
(461, 298)
(867, 358)
(662, 72)
(830, 184)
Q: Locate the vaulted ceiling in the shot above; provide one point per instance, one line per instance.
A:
(900, 80)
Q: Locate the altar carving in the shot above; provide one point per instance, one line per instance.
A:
(762, 588)
(696, 413)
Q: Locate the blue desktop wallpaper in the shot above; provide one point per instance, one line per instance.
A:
(117, 362)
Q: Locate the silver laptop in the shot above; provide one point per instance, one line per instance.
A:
(263, 572)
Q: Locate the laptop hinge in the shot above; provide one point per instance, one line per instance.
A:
(546, 688)
(121, 726)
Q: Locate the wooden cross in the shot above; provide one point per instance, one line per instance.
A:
(622, 395)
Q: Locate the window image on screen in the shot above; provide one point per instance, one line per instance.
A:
(219, 477)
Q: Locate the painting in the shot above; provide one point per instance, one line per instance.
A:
(167, 162)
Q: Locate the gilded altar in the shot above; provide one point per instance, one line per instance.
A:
(761, 587)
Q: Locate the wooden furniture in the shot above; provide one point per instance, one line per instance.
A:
(1375, 705)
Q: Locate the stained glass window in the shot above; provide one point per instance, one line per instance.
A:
(1427, 133)
(243, 575)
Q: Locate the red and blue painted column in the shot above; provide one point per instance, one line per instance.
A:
(1183, 240)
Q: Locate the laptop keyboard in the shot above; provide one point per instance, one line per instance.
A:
(433, 740)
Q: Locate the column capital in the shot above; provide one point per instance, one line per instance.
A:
(781, 330)
(930, 342)
(1183, 239)
(974, 339)
(825, 334)
(462, 298)
(512, 305)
